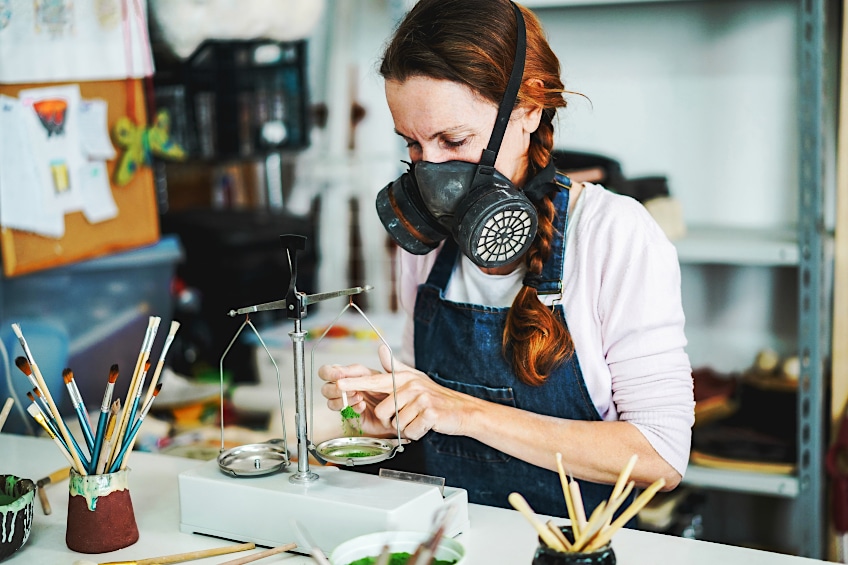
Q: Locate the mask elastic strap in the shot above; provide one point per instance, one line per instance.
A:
(487, 161)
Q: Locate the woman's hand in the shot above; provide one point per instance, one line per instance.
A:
(422, 405)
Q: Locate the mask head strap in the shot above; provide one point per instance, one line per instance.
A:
(487, 161)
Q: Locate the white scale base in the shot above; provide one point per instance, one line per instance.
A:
(338, 506)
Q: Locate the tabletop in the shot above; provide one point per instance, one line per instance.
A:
(496, 535)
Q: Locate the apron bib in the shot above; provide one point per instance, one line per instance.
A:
(459, 346)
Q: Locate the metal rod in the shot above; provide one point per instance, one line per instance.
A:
(303, 475)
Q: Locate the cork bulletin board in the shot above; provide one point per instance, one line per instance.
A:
(136, 224)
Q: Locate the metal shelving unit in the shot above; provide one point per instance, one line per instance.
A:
(807, 248)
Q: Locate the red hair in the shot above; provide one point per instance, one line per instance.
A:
(473, 42)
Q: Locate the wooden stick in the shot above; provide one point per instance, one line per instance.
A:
(595, 523)
(623, 477)
(261, 554)
(4, 413)
(519, 503)
(604, 519)
(63, 430)
(53, 477)
(629, 512)
(577, 500)
(559, 535)
(187, 556)
(566, 491)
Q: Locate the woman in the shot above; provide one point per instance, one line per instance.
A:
(575, 344)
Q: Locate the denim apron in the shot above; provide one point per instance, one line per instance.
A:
(459, 346)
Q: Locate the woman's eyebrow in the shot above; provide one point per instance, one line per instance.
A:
(447, 131)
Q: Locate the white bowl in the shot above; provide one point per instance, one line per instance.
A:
(370, 545)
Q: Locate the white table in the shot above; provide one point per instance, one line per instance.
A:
(496, 537)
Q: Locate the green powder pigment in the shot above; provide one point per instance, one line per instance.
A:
(399, 558)
(350, 421)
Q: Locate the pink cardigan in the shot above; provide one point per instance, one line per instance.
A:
(623, 307)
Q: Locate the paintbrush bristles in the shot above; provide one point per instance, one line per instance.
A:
(22, 364)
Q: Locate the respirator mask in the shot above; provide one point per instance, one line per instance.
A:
(491, 219)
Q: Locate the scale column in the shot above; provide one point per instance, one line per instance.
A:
(303, 475)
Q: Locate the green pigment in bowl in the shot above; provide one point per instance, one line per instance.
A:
(358, 451)
(399, 558)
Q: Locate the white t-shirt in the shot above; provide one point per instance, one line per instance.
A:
(621, 295)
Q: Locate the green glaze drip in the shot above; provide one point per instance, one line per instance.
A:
(94, 486)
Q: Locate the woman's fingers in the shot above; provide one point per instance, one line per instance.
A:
(332, 373)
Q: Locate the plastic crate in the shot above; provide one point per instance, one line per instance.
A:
(87, 316)
(239, 98)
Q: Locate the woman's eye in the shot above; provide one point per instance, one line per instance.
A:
(454, 144)
(412, 144)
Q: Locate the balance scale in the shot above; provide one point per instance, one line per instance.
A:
(249, 495)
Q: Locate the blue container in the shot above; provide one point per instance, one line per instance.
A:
(86, 316)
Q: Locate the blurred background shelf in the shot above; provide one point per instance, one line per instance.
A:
(742, 481)
(739, 246)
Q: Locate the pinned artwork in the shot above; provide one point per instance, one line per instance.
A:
(55, 140)
(141, 143)
(52, 114)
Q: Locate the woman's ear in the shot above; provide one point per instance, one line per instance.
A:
(532, 115)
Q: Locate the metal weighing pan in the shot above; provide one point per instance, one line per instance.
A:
(352, 451)
(254, 459)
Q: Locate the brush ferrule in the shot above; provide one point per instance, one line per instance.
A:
(107, 398)
(76, 399)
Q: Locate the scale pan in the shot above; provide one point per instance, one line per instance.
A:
(253, 459)
(355, 450)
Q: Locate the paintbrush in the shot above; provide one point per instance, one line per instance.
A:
(46, 419)
(108, 437)
(177, 557)
(22, 364)
(136, 399)
(53, 477)
(51, 421)
(4, 413)
(35, 412)
(104, 416)
(169, 339)
(119, 462)
(261, 555)
(143, 354)
(79, 407)
(315, 551)
(60, 423)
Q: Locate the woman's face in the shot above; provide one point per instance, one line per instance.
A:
(441, 120)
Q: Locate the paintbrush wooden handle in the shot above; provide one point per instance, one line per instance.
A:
(190, 555)
(261, 554)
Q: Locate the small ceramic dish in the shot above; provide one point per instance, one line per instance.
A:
(17, 496)
(370, 545)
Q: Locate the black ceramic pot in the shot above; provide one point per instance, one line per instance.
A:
(547, 556)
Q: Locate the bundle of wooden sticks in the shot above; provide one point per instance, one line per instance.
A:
(109, 444)
(597, 531)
